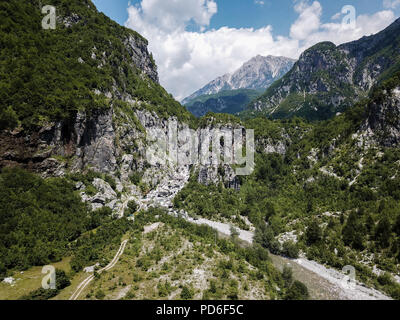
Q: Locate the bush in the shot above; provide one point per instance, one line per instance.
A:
(265, 237)
(186, 293)
(290, 249)
(111, 181)
(62, 280)
(313, 233)
(385, 279)
(233, 293)
(40, 294)
(234, 232)
(275, 247)
(8, 119)
(287, 275)
(383, 232)
(100, 295)
(297, 291)
(132, 208)
(135, 178)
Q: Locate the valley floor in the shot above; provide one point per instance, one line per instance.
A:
(146, 260)
(323, 283)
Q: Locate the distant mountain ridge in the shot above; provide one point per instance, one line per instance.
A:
(231, 101)
(257, 73)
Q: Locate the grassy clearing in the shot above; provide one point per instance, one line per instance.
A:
(28, 281)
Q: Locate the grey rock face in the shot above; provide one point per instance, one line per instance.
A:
(89, 140)
(95, 141)
(214, 175)
(267, 145)
(384, 119)
(105, 195)
(70, 20)
(141, 58)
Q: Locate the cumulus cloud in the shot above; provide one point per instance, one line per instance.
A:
(336, 16)
(259, 2)
(309, 29)
(391, 4)
(189, 59)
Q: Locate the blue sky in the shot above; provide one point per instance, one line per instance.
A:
(246, 13)
(194, 41)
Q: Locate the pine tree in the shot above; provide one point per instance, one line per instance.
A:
(313, 233)
(383, 232)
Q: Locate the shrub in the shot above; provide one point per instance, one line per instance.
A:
(100, 295)
(8, 119)
(385, 279)
(132, 208)
(186, 293)
(291, 250)
(62, 281)
(313, 233)
(287, 275)
(297, 291)
(135, 178)
(383, 232)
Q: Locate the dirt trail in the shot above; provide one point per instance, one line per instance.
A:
(113, 262)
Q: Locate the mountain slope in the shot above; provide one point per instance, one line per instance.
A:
(328, 79)
(50, 75)
(74, 91)
(232, 102)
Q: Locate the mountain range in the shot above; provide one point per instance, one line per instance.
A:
(222, 95)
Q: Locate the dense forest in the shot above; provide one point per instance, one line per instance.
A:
(50, 75)
(44, 220)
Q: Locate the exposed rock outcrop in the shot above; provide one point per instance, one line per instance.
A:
(384, 119)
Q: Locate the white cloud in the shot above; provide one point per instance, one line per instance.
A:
(308, 21)
(259, 2)
(336, 16)
(188, 60)
(391, 4)
(309, 29)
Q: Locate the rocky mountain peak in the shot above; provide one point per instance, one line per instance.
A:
(258, 74)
